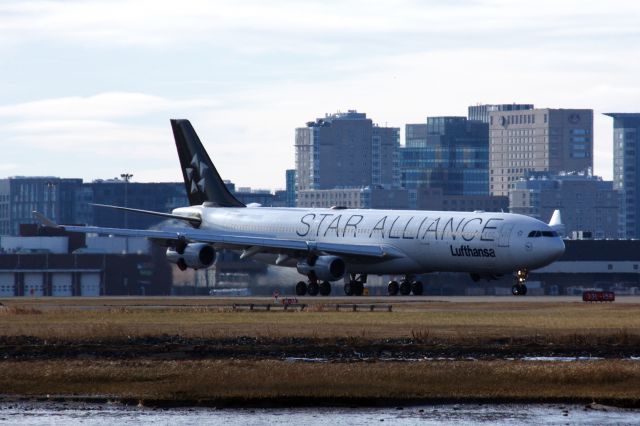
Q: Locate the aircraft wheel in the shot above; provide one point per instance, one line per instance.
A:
(416, 288)
(325, 288)
(358, 288)
(515, 290)
(348, 288)
(405, 288)
(523, 290)
(301, 288)
(313, 288)
(393, 288)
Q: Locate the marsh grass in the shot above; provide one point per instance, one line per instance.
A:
(268, 379)
(19, 310)
(509, 323)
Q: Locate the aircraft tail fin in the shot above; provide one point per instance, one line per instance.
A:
(201, 179)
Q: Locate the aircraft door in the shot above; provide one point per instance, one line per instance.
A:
(505, 234)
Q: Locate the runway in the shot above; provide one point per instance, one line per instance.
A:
(221, 301)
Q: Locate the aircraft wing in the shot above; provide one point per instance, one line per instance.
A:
(241, 242)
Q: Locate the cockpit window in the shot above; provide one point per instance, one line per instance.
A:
(536, 234)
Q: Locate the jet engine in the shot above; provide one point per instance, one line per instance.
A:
(195, 255)
(325, 268)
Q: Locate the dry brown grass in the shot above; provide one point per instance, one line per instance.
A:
(211, 379)
(19, 310)
(442, 322)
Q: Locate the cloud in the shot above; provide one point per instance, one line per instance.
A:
(101, 106)
(319, 27)
(92, 137)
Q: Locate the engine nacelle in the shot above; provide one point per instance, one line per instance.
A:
(325, 268)
(195, 255)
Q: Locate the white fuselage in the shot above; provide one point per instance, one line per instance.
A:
(418, 241)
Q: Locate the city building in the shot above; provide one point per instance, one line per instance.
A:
(626, 170)
(435, 199)
(291, 188)
(246, 196)
(611, 265)
(587, 203)
(449, 153)
(346, 150)
(355, 198)
(156, 196)
(481, 112)
(537, 140)
(20, 196)
(263, 197)
(53, 262)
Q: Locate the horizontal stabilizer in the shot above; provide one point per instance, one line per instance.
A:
(195, 221)
(43, 220)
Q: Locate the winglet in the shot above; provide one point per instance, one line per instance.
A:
(556, 219)
(556, 222)
(43, 220)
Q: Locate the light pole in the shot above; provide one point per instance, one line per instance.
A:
(51, 188)
(126, 177)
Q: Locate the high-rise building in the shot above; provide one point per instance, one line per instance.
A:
(538, 140)
(346, 150)
(291, 188)
(434, 199)
(450, 153)
(626, 170)
(482, 112)
(586, 202)
(20, 196)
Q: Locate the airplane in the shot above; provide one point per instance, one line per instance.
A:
(331, 244)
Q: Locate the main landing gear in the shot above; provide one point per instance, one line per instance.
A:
(520, 288)
(407, 286)
(313, 288)
(355, 285)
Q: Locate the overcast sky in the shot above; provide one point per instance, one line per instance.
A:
(87, 87)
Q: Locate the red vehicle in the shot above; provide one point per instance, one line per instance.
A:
(598, 296)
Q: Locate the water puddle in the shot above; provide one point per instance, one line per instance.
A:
(40, 414)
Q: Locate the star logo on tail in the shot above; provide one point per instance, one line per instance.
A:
(196, 175)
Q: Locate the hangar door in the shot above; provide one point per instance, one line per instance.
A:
(61, 284)
(7, 284)
(34, 284)
(90, 284)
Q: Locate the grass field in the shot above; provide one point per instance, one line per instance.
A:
(212, 380)
(454, 322)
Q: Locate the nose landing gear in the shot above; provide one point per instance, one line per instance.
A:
(355, 285)
(520, 288)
